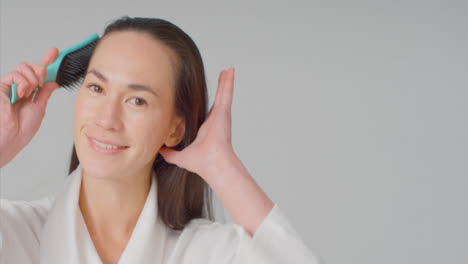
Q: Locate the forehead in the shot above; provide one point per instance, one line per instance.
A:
(131, 56)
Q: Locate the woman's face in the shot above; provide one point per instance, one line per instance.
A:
(126, 101)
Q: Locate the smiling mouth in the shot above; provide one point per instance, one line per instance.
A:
(106, 149)
(107, 146)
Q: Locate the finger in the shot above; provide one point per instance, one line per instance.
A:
(170, 155)
(30, 75)
(40, 71)
(5, 83)
(50, 56)
(219, 89)
(228, 87)
(14, 77)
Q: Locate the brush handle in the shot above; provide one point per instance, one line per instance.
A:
(53, 68)
(50, 77)
(13, 95)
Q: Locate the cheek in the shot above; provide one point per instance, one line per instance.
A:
(82, 114)
(150, 131)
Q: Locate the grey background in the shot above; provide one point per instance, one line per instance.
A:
(350, 115)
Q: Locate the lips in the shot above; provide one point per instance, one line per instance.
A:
(108, 142)
(105, 149)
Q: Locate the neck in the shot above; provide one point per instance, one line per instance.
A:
(111, 205)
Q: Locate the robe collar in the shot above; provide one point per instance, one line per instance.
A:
(65, 237)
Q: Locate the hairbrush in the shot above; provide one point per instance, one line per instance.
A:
(68, 69)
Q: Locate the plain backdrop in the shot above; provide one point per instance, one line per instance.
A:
(352, 116)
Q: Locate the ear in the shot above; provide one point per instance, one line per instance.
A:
(177, 132)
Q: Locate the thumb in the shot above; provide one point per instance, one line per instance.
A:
(50, 56)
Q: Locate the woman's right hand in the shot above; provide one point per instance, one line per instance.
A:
(19, 122)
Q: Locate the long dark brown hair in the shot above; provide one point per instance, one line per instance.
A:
(182, 195)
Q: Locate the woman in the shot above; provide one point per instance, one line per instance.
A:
(144, 158)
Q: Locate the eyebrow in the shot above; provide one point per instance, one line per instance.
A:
(132, 86)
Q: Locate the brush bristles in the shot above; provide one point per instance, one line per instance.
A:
(73, 67)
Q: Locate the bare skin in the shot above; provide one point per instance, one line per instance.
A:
(115, 187)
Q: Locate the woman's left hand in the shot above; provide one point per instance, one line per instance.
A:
(211, 152)
(212, 157)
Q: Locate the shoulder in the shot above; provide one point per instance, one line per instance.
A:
(21, 223)
(26, 212)
(202, 228)
(208, 241)
(37, 206)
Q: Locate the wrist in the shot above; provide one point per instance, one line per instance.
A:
(225, 172)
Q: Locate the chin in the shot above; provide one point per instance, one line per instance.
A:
(99, 170)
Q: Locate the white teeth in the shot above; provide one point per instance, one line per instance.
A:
(107, 146)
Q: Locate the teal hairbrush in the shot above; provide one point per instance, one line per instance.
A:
(68, 70)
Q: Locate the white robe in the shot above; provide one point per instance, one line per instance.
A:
(52, 231)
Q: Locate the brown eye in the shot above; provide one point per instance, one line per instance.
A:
(139, 101)
(95, 88)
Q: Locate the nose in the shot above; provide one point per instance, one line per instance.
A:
(109, 114)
